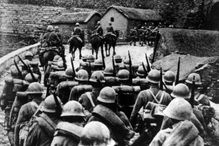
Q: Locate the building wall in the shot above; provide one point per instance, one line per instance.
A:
(120, 22)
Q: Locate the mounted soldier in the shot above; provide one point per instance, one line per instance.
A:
(79, 32)
(43, 126)
(99, 29)
(182, 129)
(34, 95)
(83, 86)
(89, 99)
(69, 129)
(110, 28)
(107, 112)
(133, 36)
(147, 100)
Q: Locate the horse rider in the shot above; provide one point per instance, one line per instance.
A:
(99, 29)
(69, 129)
(110, 28)
(78, 32)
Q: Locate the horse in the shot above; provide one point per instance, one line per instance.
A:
(75, 43)
(96, 42)
(110, 40)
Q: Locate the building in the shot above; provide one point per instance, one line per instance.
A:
(66, 22)
(125, 18)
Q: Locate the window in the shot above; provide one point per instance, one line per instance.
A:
(112, 19)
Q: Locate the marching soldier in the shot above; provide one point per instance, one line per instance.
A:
(69, 129)
(43, 128)
(107, 112)
(34, 93)
(152, 95)
(89, 99)
(126, 93)
(169, 79)
(181, 130)
(109, 77)
(82, 77)
(64, 88)
(96, 133)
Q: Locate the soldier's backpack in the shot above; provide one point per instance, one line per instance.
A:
(25, 127)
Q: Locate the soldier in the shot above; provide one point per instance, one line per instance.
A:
(109, 77)
(97, 65)
(169, 79)
(141, 34)
(181, 130)
(182, 91)
(12, 85)
(126, 92)
(133, 35)
(140, 80)
(78, 32)
(34, 92)
(82, 77)
(107, 112)
(89, 99)
(64, 88)
(96, 134)
(43, 128)
(50, 39)
(68, 131)
(153, 95)
(99, 29)
(62, 48)
(110, 29)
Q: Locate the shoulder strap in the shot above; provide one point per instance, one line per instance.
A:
(154, 97)
(90, 98)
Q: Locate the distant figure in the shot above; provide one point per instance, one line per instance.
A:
(110, 28)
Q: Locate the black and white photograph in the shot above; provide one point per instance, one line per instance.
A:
(109, 72)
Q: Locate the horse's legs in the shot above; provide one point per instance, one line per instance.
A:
(80, 52)
(96, 50)
(73, 52)
(92, 50)
(114, 50)
(109, 49)
(106, 49)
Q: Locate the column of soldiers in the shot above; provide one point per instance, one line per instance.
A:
(121, 104)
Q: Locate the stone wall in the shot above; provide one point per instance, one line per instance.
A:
(28, 19)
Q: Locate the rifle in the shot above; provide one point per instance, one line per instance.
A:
(145, 70)
(161, 79)
(178, 71)
(58, 106)
(89, 69)
(103, 58)
(155, 46)
(114, 69)
(28, 68)
(148, 65)
(192, 101)
(19, 71)
(72, 65)
(130, 67)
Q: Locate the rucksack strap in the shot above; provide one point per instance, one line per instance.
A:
(155, 97)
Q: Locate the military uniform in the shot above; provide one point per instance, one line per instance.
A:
(78, 90)
(51, 39)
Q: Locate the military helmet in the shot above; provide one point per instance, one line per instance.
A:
(97, 76)
(69, 73)
(181, 91)
(90, 58)
(56, 58)
(28, 54)
(49, 28)
(141, 72)
(95, 133)
(123, 75)
(169, 77)
(118, 58)
(72, 108)
(107, 95)
(179, 109)
(56, 28)
(49, 104)
(197, 80)
(35, 88)
(82, 75)
(30, 79)
(108, 71)
(14, 71)
(153, 76)
(77, 24)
